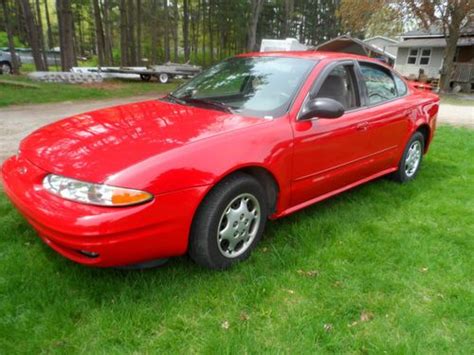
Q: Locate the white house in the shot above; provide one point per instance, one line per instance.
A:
(424, 50)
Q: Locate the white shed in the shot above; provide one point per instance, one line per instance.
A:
(289, 44)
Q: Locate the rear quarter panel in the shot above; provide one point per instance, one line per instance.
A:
(424, 111)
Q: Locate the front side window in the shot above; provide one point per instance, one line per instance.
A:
(254, 86)
(340, 85)
(379, 82)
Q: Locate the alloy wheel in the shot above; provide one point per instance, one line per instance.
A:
(238, 225)
(413, 158)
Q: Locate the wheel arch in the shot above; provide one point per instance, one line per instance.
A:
(425, 130)
(268, 182)
(264, 176)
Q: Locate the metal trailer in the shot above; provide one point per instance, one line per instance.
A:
(164, 73)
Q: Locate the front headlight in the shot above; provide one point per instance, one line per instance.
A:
(94, 194)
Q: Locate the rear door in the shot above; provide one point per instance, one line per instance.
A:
(387, 114)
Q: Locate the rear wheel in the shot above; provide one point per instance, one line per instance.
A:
(229, 223)
(5, 68)
(411, 160)
(145, 77)
(163, 78)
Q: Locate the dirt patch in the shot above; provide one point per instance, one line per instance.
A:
(104, 85)
(16, 122)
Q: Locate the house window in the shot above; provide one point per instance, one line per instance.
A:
(419, 56)
(425, 56)
(412, 56)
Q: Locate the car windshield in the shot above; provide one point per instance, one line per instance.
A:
(253, 86)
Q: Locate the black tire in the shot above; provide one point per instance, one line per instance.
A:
(204, 246)
(401, 175)
(145, 77)
(7, 65)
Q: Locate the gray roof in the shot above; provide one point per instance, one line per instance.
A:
(434, 42)
(368, 40)
(435, 31)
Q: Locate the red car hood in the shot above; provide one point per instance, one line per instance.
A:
(94, 145)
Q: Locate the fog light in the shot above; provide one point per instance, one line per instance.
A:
(89, 254)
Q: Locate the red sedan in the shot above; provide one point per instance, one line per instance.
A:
(201, 170)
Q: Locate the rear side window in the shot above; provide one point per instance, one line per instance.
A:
(401, 86)
(379, 82)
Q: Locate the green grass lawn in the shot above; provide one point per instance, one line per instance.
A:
(53, 92)
(384, 267)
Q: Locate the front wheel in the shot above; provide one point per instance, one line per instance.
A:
(229, 223)
(411, 160)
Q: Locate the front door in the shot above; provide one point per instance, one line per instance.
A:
(329, 154)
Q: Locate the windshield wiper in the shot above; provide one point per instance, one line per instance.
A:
(211, 103)
(176, 99)
(191, 100)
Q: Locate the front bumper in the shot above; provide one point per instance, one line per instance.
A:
(110, 236)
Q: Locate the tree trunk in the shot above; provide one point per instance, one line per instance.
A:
(20, 26)
(203, 26)
(41, 34)
(78, 45)
(32, 35)
(211, 32)
(154, 32)
(11, 42)
(449, 53)
(167, 30)
(257, 6)
(195, 26)
(109, 55)
(48, 25)
(139, 33)
(123, 33)
(80, 33)
(131, 44)
(175, 30)
(288, 19)
(186, 29)
(66, 34)
(99, 33)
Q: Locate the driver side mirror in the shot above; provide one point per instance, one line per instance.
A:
(322, 108)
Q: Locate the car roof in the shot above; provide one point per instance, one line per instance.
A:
(319, 55)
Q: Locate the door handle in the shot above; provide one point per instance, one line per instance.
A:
(362, 126)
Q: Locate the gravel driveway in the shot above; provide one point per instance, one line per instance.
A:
(16, 122)
(455, 115)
